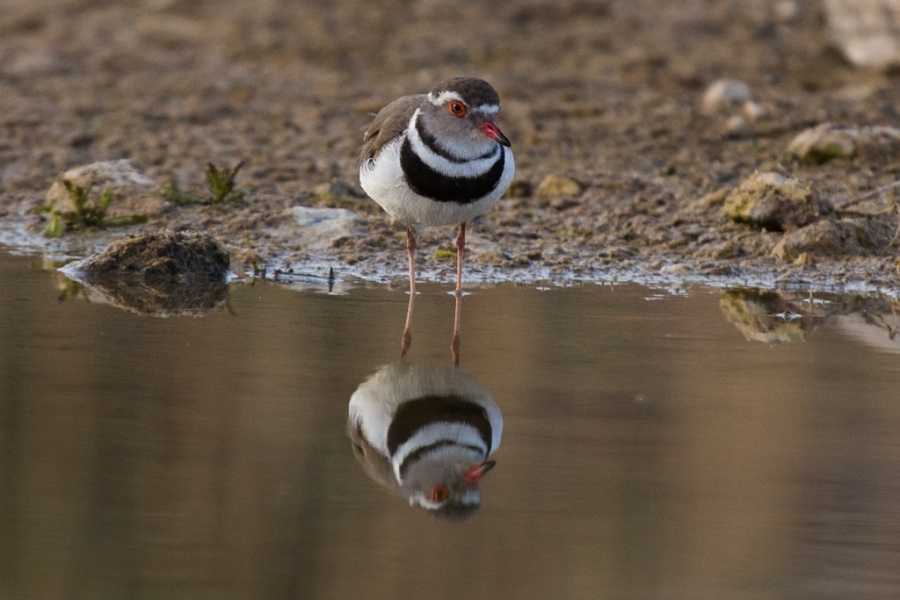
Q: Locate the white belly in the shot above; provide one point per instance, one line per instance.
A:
(384, 182)
(375, 402)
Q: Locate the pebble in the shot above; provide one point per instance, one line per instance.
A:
(754, 111)
(828, 141)
(736, 124)
(133, 191)
(866, 31)
(323, 226)
(823, 143)
(786, 11)
(725, 93)
(835, 238)
(338, 189)
(520, 188)
(774, 202)
(676, 269)
(558, 185)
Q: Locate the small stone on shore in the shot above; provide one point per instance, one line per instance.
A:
(322, 226)
(725, 93)
(774, 202)
(133, 191)
(179, 255)
(827, 141)
(866, 31)
(833, 238)
(553, 186)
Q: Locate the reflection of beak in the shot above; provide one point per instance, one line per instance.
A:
(491, 130)
(474, 473)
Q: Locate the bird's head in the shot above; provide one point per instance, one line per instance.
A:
(446, 485)
(461, 113)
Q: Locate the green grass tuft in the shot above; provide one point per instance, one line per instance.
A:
(445, 255)
(88, 212)
(220, 184)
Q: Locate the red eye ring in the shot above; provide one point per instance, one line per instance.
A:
(440, 493)
(457, 108)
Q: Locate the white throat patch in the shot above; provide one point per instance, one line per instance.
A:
(469, 168)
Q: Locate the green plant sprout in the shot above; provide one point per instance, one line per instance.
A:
(87, 212)
(445, 254)
(221, 186)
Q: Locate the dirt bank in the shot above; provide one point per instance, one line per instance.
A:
(607, 94)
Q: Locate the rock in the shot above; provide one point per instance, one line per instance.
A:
(866, 31)
(181, 255)
(736, 124)
(323, 226)
(786, 11)
(880, 139)
(520, 188)
(774, 202)
(828, 141)
(754, 111)
(557, 185)
(676, 269)
(134, 192)
(762, 316)
(822, 143)
(338, 190)
(562, 203)
(161, 274)
(725, 93)
(835, 238)
(315, 218)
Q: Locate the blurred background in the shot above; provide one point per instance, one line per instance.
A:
(588, 86)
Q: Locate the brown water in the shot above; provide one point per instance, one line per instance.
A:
(651, 448)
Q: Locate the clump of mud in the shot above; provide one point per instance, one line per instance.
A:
(774, 202)
(631, 122)
(162, 274)
(189, 254)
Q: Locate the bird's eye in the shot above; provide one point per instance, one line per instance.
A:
(440, 493)
(457, 109)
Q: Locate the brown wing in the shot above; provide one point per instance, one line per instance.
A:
(376, 466)
(388, 124)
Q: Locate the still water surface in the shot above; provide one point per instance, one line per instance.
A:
(653, 446)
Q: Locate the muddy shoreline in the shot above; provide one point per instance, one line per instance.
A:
(608, 98)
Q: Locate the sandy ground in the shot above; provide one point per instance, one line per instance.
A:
(608, 94)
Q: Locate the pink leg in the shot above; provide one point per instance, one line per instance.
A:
(407, 330)
(460, 251)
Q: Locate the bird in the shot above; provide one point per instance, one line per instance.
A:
(425, 431)
(437, 159)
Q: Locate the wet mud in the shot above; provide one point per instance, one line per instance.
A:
(632, 123)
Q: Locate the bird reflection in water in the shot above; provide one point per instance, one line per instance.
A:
(425, 432)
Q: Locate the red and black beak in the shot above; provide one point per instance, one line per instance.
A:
(474, 473)
(491, 130)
